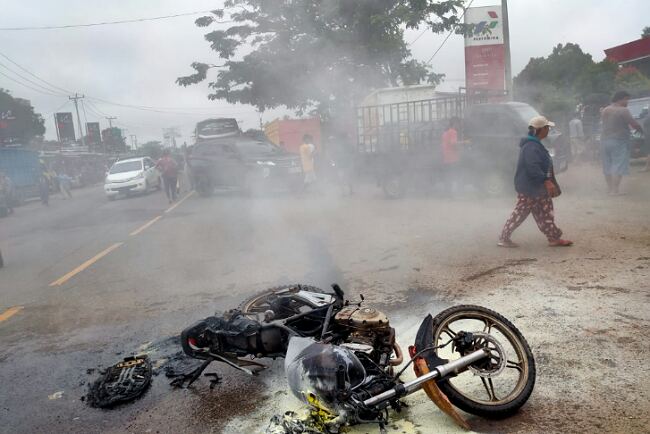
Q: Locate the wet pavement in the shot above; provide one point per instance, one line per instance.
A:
(94, 281)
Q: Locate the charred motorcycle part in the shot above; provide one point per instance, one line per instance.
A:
(122, 382)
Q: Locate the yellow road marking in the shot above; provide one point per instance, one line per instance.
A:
(10, 312)
(171, 208)
(145, 226)
(61, 280)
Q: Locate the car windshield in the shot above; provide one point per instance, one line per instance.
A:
(256, 148)
(637, 106)
(127, 166)
(526, 112)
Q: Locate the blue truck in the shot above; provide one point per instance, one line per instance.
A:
(23, 168)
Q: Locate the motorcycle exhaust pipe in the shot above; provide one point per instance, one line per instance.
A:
(437, 372)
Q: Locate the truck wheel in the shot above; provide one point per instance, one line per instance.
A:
(204, 187)
(494, 184)
(394, 186)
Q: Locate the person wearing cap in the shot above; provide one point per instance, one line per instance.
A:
(615, 140)
(536, 186)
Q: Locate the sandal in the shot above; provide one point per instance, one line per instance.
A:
(507, 243)
(560, 243)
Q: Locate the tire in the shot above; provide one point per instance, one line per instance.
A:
(494, 184)
(248, 305)
(526, 382)
(394, 186)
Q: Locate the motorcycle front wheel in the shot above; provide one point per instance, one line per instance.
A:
(497, 386)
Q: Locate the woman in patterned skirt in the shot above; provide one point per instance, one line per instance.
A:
(536, 186)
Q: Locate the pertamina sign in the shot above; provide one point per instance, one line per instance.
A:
(485, 50)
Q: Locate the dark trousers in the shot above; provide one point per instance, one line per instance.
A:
(169, 183)
(542, 210)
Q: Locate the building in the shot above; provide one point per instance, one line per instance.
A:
(635, 53)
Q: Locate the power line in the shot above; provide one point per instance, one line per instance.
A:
(65, 91)
(30, 87)
(105, 23)
(35, 83)
(450, 32)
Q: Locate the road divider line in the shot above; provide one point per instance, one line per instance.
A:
(171, 208)
(61, 280)
(145, 226)
(10, 312)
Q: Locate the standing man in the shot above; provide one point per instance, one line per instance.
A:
(576, 136)
(450, 154)
(307, 150)
(169, 170)
(615, 140)
(645, 122)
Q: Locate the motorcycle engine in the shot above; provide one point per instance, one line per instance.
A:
(369, 331)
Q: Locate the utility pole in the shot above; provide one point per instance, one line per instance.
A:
(110, 121)
(134, 141)
(506, 42)
(76, 99)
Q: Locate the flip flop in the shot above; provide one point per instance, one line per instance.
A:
(507, 244)
(560, 243)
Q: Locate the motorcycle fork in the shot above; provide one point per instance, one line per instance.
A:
(436, 373)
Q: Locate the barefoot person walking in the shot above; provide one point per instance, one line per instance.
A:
(536, 186)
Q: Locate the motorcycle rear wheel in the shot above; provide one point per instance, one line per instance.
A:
(261, 302)
(457, 388)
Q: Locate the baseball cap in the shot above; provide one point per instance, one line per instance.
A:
(540, 122)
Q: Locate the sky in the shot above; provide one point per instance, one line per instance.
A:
(137, 63)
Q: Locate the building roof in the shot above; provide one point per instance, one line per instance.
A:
(635, 50)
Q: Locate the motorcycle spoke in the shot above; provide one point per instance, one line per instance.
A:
(488, 326)
(514, 365)
(489, 388)
(449, 331)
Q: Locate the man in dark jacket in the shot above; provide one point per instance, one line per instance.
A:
(536, 186)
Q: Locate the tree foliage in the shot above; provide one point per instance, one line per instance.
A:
(18, 122)
(322, 54)
(152, 149)
(568, 76)
(646, 32)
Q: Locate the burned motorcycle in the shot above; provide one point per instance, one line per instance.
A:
(341, 356)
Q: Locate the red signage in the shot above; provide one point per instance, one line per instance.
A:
(485, 50)
(485, 67)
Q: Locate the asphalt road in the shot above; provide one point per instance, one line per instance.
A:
(88, 281)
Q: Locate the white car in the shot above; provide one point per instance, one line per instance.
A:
(135, 175)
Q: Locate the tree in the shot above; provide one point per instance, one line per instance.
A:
(18, 122)
(316, 54)
(633, 81)
(646, 32)
(152, 149)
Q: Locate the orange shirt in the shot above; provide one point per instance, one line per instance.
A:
(450, 146)
(307, 157)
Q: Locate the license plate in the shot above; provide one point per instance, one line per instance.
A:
(295, 169)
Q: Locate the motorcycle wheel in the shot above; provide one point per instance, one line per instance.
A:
(495, 390)
(261, 302)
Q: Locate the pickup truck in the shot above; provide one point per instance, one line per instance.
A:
(400, 143)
